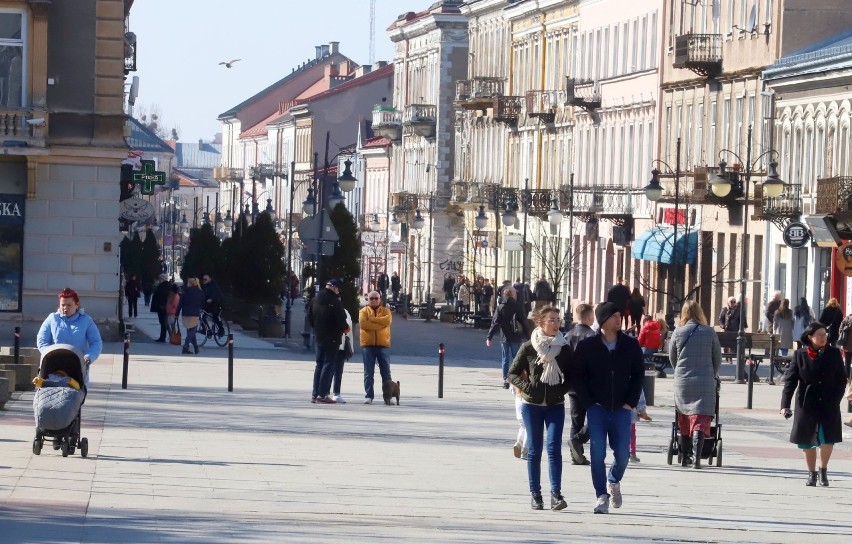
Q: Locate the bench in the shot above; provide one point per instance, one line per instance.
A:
(758, 346)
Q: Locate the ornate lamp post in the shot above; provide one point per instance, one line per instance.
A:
(735, 184)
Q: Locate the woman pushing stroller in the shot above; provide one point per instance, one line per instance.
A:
(71, 325)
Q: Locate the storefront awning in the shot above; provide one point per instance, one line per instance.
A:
(656, 244)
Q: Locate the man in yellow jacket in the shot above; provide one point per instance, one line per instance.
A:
(375, 337)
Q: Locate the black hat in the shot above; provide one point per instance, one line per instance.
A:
(604, 311)
(334, 283)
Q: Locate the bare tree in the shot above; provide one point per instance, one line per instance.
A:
(558, 263)
(151, 117)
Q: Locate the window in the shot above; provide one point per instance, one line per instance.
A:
(726, 123)
(731, 12)
(12, 59)
(615, 71)
(738, 115)
(625, 32)
(653, 46)
(699, 138)
(644, 53)
(688, 143)
(633, 65)
(605, 57)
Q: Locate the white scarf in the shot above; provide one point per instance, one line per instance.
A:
(547, 348)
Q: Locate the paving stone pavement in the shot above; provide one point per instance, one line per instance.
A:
(177, 458)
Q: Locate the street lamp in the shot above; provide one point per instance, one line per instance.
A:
(347, 181)
(336, 196)
(418, 222)
(737, 183)
(481, 219)
(269, 210)
(375, 226)
(653, 192)
(554, 216)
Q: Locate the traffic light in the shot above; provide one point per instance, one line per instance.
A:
(126, 182)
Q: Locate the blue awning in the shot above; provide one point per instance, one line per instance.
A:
(656, 245)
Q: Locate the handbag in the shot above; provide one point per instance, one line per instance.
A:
(347, 348)
(175, 338)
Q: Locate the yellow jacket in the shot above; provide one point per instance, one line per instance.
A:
(375, 326)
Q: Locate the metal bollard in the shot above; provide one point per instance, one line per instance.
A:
(17, 344)
(441, 352)
(751, 372)
(230, 362)
(126, 362)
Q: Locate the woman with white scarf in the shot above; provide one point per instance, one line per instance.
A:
(540, 371)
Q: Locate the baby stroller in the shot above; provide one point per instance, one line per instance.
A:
(56, 405)
(712, 448)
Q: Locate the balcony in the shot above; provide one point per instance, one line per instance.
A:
(583, 93)
(779, 210)
(507, 109)
(543, 104)
(466, 192)
(22, 128)
(701, 53)
(478, 93)
(615, 203)
(420, 119)
(832, 195)
(387, 122)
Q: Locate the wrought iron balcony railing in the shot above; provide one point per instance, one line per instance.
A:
(507, 109)
(613, 202)
(832, 195)
(779, 210)
(701, 53)
(543, 104)
(583, 93)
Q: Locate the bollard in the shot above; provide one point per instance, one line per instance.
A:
(441, 352)
(751, 372)
(17, 344)
(126, 361)
(771, 380)
(649, 382)
(230, 362)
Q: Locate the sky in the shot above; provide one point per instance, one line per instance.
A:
(181, 42)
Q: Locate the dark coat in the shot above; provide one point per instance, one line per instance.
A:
(729, 319)
(131, 289)
(506, 313)
(577, 333)
(611, 379)
(532, 389)
(328, 319)
(191, 302)
(161, 297)
(542, 292)
(831, 317)
(395, 284)
(637, 308)
(619, 294)
(819, 385)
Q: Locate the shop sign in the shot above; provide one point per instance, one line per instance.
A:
(844, 259)
(796, 235)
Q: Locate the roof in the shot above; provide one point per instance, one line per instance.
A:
(376, 74)
(200, 155)
(333, 57)
(195, 177)
(378, 141)
(144, 139)
(444, 6)
(829, 54)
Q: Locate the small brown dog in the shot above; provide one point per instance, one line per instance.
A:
(390, 389)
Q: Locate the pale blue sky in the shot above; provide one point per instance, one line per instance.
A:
(181, 42)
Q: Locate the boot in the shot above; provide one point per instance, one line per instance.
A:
(812, 478)
(698, 440)
(685, 450)
(537, 502)
(823, 477)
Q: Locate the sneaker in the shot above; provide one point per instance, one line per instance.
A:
(537, 503)
(633, 458)
(505, 384)
(368, 401)
(517, 450)
(338, 399)
(614, 494)
(644, 416)
(602, 505)
(557, 502)
(525, 453)
(313, 400)
(326, 400)
(582, 461)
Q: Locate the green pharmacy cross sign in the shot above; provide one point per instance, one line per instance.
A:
(149, 177)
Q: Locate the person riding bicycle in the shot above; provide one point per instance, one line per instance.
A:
(212, 300)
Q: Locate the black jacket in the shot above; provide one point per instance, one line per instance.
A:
(506, 313)
(831, 318)
(542, 292)
(611, 379)
(618, 294)
(532, 389)
(327, 317)
(819, 386)
(161, 297)
(579, 332)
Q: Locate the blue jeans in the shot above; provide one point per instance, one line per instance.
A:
(783, 351)
(372, 355)
(510, 349)
(324, 371)
(338, 372)
(616, 426)
(536, 419)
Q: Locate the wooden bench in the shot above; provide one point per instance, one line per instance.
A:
(758, 346)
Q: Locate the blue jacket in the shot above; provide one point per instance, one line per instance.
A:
(79, 330)
(191, 302)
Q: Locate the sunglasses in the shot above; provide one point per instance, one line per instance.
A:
(375, 298)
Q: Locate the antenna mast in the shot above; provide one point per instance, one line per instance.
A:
(372, 55)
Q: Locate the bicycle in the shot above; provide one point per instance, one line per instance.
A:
(209, 328)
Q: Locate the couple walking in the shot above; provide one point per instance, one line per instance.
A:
(605, 372)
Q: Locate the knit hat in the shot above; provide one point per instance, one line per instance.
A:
(604, 311)
(335, 283)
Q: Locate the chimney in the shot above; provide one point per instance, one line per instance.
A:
(319, 51)
(381, 64)
(333, 47)
(200, 144)
(363, 70)
(324, 50)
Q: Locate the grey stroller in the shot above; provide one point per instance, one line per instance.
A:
(57, 403)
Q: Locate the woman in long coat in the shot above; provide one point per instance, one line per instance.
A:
(816, 375)
(782, 325)
(695, 352)
(831, 317)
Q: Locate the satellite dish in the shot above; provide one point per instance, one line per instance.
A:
(752, 19)
(717, 9)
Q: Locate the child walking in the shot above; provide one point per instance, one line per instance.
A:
(640, 412)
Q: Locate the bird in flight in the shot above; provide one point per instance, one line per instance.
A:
(229, 64)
